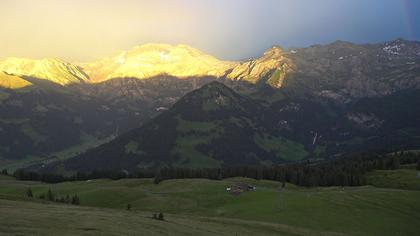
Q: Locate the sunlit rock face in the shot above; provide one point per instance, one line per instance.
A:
(53, 70)
(12, 82)
(273, 64)
(151, 60)
(340, 70)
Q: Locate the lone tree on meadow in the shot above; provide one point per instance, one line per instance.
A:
(50, 195)
(128, 206)
(158, 178)
(29, 193)
(75, 200)
(161, 217)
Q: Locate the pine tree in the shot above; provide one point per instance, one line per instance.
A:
(160, 217)
(50, 195)
(29, 193)
(128, 206)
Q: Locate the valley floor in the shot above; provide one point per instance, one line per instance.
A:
(204, 207)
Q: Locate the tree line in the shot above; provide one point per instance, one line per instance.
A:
(25, 174)
(346, 171)
(50, 196)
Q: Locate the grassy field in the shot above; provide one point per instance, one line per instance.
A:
(29, 218)
(299, 211)
(285, 149)
(402, 178)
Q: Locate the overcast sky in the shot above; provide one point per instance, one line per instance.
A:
(81, 30)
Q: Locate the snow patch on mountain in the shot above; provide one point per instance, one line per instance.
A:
(393, 49)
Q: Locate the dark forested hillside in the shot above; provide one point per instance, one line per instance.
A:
(215, 127)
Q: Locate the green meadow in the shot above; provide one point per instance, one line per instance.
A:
(204, 207)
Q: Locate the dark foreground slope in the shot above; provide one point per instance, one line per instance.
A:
(35, 219)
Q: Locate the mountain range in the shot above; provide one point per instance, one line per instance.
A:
(146, 108)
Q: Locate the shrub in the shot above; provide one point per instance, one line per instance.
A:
(160, 217)
(75, 200)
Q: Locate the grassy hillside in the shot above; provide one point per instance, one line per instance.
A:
(86, 142)
(402, 178)
(349, 211)
(28, 218)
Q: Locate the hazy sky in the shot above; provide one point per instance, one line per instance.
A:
(81, 30)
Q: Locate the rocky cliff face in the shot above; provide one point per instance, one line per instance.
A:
(9, 81)
(344, 70)
(340, 70)
(273, 66)
(150, 60)
(53, 70)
